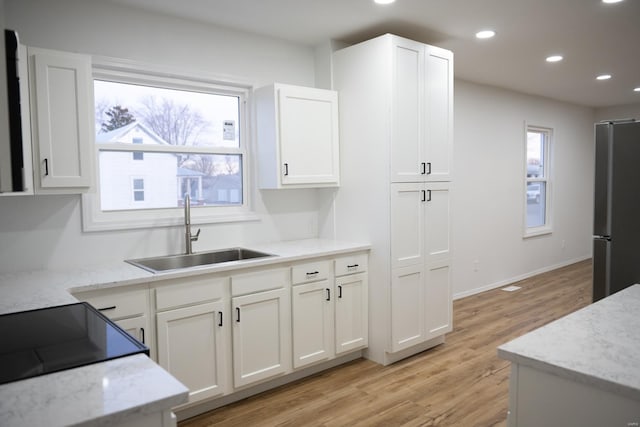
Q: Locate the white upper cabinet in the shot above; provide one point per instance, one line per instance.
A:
(438, 113)
(408, 162)
(298, 137)
(62, 120)
(422, 112)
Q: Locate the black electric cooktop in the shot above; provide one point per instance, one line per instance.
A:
(53, 339)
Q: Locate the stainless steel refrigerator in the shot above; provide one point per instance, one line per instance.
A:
(616, 231)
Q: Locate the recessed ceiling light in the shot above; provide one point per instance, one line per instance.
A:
(604, 77)
(637, 89)
(485, 34)
(384, 1)
(611, 1)
(554, 58)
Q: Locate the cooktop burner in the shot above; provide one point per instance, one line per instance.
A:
(47, 340)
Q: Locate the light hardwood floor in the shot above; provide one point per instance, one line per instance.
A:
(459, 383)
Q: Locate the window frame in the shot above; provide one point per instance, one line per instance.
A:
(547, 227)
(94, 219)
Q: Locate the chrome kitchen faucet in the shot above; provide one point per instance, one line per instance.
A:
(187, 225)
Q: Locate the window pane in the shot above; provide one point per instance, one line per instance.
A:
(210, 179)
(536, 204)
(535, 154)
(167, 116)
(138, 184)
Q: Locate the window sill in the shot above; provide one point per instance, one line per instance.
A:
(536, 232)
(95, 220)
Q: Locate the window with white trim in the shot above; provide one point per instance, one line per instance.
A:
(537, 180)
(138, 189)
(184, 135)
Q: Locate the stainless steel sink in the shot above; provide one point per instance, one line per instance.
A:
(176, 262)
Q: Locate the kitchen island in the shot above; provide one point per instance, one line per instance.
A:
(583, 369)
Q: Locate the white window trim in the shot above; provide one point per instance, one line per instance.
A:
(94, 219)
(547, 228)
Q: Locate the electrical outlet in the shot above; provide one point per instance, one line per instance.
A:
(476, 265)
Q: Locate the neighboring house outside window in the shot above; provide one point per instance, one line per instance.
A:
(537, 181)
(180, 135)
(138, 155)
(117, 166)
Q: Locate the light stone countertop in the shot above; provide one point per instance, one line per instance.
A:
(101, 394)
(598, 345)
(136, 384)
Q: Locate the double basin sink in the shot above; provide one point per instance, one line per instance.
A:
(177, 262)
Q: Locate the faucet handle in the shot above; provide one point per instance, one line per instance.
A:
(195, 238)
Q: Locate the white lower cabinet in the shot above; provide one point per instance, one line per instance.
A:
(421, 301)
(191, 347)
(352, 313)
(407, 307)
(329, 314)
(221, 334)
(312, 322)
(261, 326)
(192, 333)
(312, 311)
(128, 308)
(137, 327)
(438, 299)
(421, 306)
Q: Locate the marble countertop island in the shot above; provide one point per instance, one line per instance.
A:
(598, 346)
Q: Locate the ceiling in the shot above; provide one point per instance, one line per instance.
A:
(594, 38)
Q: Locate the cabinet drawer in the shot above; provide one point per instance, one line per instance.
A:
(182, 292)
(258, 281)
(117, 304)
(350, 264)
(310, 272)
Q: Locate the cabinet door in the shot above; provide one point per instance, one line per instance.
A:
(407, 224)
(437, 222)
(308, 126)
(407, 307)
(439, 113)
(261, 336)
(191, 347)
(63, 120)
(407, 143)
(312, 322)
(438, 305)
(137, 327)
(352, 312)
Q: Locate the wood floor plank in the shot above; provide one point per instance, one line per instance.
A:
(459, 383)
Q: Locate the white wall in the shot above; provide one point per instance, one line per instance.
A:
(620, 112)
(488, 204)
(45, 231)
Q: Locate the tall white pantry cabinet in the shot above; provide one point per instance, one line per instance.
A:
(396, 133)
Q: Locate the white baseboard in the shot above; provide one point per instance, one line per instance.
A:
(511, 280)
